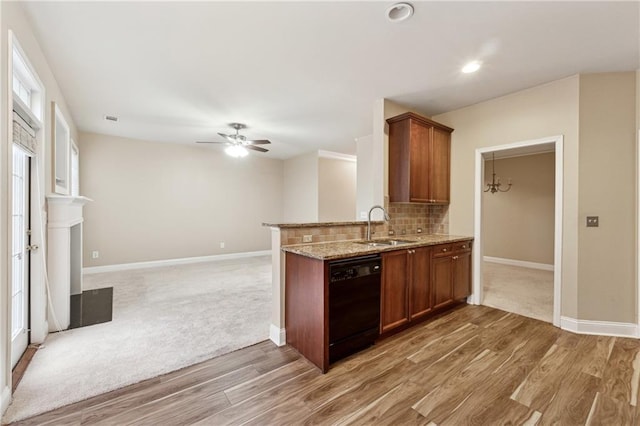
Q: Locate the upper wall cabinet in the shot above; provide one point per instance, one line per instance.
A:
(419, 160)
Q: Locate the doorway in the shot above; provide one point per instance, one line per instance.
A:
(555, 144)
(20, 248)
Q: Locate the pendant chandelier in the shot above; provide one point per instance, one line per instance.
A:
(495, 185)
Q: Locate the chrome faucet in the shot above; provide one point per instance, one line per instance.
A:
(386, 217)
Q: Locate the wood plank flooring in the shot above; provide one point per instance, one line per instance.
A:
(475, 365)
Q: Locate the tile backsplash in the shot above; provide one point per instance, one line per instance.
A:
(322, 234)
(406, 218)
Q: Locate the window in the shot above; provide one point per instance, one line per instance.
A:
(21, 91)
(27, 93)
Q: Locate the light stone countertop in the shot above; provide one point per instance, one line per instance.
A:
(320, 224)
(344, 249)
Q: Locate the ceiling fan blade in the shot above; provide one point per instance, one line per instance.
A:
(258, 142)
(256, 148)
(211, 142)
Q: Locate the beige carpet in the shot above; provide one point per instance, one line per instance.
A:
(524, 291)
(163, 319)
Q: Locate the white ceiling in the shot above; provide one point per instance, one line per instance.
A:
(305, 74)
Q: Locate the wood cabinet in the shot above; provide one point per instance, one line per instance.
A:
(419, 160)
(415, 284)
(420, 288)
(442, 278)
(306, 308)
(461, 274)
(394, 297)
(406, 294)
(451, 272)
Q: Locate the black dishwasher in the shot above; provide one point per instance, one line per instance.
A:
(354, 305)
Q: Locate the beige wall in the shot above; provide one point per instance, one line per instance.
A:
(318, 188)
(12, 18)
(519, 224)
(364, 176)
(607, 254)
(336, 190)
(156, 201)
(547, 110)
(300, 186)
(598, 282)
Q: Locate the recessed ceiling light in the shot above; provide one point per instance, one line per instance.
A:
(472, 66)
(399, 12)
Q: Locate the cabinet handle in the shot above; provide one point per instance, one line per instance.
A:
(455, 257)
(444, 249)
(464, 246)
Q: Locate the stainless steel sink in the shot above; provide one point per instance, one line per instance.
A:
(385, 243)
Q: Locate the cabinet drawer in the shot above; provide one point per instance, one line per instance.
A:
(462, 246)
(442, 250)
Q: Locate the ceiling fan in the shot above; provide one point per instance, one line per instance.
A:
(238, 144)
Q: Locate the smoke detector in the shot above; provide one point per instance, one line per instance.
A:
(399, 12)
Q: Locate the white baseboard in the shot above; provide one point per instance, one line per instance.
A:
(601, 328)
(521, 263)
(172, 262)
(277, 335)
(6, 399)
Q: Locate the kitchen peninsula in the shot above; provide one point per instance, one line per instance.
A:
(419, 276)
(349, 287)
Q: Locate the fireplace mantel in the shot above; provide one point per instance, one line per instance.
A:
(65, 211)
(64, 249)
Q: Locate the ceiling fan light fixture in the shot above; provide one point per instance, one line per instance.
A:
(236, 151)
(399, 12)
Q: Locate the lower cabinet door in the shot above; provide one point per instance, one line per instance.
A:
(462, 275)
(442, 280)
(394, 309)
(420, 297)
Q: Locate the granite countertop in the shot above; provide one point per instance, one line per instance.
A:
(320, 224)
(343, 249)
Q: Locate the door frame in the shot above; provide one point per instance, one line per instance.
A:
(38, 293)
(558, 141)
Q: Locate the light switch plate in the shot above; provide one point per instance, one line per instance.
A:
(593, 221)
(307, 238)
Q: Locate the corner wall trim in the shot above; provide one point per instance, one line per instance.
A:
(521, 263)
(171, 262)
(600, 328)
(277, 335)
(6, 399)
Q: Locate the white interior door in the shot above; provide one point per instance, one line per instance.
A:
(20, 256)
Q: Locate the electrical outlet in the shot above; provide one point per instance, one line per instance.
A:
(363, 215)
(307, 238)
(593, 221)
(95, 254)
(221, 244)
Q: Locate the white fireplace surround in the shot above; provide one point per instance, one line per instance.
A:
(64, 256)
